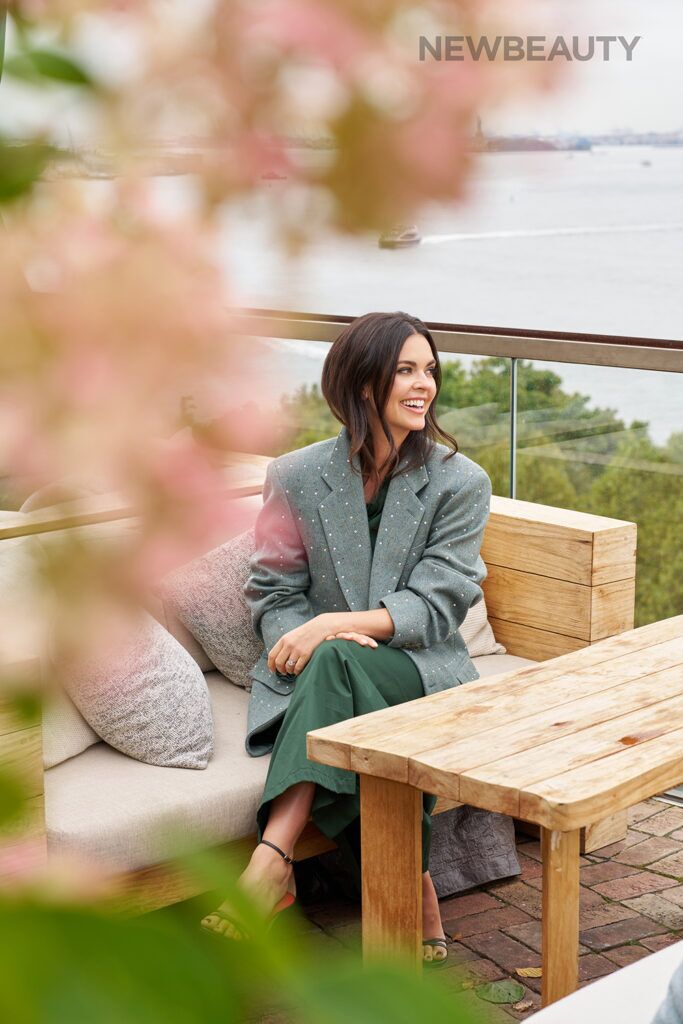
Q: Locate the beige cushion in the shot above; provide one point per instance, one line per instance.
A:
(180, 601)
(65, 731)
(494, 664)
(477, 633)
(109, 806)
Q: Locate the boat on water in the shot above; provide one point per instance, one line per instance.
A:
(400, 237)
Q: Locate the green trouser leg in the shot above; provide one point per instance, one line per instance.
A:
(341, 681)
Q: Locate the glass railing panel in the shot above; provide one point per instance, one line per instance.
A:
(474, 404)
(609, 441)
(474, 407)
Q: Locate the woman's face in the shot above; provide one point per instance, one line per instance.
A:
(414, 388)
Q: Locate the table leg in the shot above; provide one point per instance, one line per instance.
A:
(391, 852)
(560, 852)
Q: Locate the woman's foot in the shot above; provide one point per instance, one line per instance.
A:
(431, 922)
(267, 879)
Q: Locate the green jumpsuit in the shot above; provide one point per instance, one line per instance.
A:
(341, 680)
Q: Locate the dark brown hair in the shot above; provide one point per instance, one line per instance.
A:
(365, 355)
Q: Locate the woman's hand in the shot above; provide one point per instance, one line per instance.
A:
(292, 652)
(359, 638)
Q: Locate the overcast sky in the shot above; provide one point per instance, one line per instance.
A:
(595, 96)
(645, 94)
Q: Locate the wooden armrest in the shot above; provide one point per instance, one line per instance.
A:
(557, 579)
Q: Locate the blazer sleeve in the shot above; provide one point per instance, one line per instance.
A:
(445, 583)
(277, 588)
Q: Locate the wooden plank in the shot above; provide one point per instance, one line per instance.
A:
(614, 554)
(444, 804)
(605, 832)
(11, 719)
(612, 608)
(391, 852)
(505, 713)
(528, 736)
(558, 543)
(390, 728)
(560, 920)
(529, 642)
(30, 825)
(591, 792)
(546, 549)
(552, 515)
(23, 842)
(21, 753)
(499, 784)
(554, 605)
(107, 508)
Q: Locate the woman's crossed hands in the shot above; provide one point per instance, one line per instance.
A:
(293, 651)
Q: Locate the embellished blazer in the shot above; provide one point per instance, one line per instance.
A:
(313, 555)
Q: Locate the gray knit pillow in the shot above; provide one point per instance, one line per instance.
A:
(150, 701)
(207, 596)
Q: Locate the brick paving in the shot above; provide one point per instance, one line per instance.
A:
(631, 906)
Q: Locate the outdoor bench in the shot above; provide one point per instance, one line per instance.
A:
(558, 581)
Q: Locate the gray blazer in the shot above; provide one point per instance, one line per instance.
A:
(313, 555)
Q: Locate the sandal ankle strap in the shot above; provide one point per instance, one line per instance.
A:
(285, 857)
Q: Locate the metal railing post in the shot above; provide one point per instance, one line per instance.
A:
(513, 427)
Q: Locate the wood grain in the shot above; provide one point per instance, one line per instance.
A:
(557, 606)
(612, 608)
(614, 554)
(403, 741)
(558, 543)
(391, 850)
(605, 832)
(502, 737)
(21, 754)
(560, 921)
(530, 642)
(595, 790)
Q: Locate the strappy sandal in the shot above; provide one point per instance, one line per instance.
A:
(433, 961)
(237, 928)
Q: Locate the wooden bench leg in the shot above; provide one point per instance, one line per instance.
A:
(560, 852)
(391, 852)
(604, 833)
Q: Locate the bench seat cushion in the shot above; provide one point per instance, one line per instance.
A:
(106, 805)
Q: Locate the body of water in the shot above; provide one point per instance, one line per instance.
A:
(558, 241)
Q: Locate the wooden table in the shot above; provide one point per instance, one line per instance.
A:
(563, 744)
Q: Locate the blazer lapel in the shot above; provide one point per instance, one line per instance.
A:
(344, 521)
(401, 519)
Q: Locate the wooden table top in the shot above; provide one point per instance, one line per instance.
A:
(562, 743)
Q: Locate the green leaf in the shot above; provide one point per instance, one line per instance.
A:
(507, 991)
(67, 966)
(37, 65)
(20, 167)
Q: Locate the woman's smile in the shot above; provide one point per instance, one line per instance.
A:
(414, 404)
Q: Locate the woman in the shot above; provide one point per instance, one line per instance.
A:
(366, 563)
